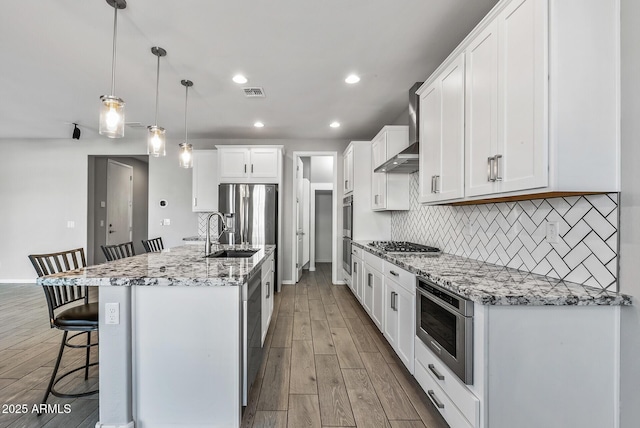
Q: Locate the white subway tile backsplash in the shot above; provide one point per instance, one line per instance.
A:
(513, 234)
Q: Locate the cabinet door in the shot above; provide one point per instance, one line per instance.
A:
(379, 150)
(264, 163)
(348, 170)
(481, 93)
(390, 329)
(378, 190)
(233, 163)
(377, 308)
(449, 183)
(405, 304)
(430, 137)
(367, 289)
(357, 275)
(522, 152)
(205, 181)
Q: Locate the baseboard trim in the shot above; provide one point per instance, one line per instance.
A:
(127, 425)
(17, 281)
(288, 282)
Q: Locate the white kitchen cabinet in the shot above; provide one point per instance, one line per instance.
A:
(442, 135)
(268, 269)
(535, 122)
(373, 301)
(389, 192)
(507, 149)
(357, 270)
(204, 181)
(348, 170)
(399, 312)
(250, 164)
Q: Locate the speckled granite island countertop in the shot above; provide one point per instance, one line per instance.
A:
(194, 239)
(489, 284)
(179, 266)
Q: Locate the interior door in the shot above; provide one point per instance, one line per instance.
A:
(299, 183)
(119, 202)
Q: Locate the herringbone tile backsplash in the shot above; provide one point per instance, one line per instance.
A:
(513, 234)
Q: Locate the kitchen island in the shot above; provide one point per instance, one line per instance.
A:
(171, 335)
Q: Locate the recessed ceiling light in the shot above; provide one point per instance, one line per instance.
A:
(352, 78)
(239, 78)
(258, 124)
(334, 124)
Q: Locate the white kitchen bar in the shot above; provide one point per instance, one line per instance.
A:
(174, 356)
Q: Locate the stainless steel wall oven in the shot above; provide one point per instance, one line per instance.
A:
(347, 232)
(444, 323)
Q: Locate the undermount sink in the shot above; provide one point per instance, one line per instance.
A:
(223, 254)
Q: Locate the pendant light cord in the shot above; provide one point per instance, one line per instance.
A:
(186, 103)
(157, 88)
(113, 60)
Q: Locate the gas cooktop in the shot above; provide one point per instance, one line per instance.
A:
(403, 247)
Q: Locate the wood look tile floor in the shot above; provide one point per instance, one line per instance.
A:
(325, 365)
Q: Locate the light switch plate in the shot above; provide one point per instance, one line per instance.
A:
(553, 232)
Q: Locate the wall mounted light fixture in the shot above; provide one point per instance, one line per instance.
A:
(156, 137)
(112, 108)
(186, 149)
(76, 132)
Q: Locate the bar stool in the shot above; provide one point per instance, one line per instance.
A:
(153, 245)
(118, 251)
(82, 318)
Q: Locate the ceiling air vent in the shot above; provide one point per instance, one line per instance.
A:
(253, 92)
(135, 125)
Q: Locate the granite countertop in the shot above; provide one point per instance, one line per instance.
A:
(181, 266)
(194, 238)
(489, 284)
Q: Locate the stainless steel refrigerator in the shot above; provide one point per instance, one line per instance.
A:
(254, 209)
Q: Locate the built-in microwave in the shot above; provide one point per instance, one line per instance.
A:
(444, 323)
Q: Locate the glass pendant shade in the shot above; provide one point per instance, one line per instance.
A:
(186, 155)
(156, 141)
(112, 117)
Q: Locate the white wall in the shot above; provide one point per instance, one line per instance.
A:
(630, 214)
(44, 184)
(321, 169)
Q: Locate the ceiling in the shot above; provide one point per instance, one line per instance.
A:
(56, 62)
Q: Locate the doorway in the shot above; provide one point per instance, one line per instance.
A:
(314, 230)
(118, 189)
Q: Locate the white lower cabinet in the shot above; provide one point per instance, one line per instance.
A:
(268, 269)
(373, 288)
(399, 312)
(357, 266)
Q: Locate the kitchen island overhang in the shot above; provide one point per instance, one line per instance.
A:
(175, 356)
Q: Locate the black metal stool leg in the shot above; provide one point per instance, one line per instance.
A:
(55, 370)
(86, 370)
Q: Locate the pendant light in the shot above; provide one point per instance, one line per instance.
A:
(112, 108)
(186, 149)
(156, 134)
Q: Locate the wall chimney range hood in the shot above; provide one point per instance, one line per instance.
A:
(407, 160)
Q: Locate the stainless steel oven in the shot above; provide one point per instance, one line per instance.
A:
(444, 323)
(346, 254)
(347, 216)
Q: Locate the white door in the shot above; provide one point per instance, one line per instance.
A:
(119, 202)
(306, 220)
(299, 219)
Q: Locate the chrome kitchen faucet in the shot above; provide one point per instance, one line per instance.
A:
(208, 243)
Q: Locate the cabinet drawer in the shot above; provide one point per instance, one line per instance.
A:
(440, 399)
(357, 252)
(465, 401)
(404, 278)
(374, 261)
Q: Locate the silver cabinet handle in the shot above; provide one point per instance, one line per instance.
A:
(435, 372)
(346, 184)
(252, 168)
(375, 198)
(369, 276)
(433, 184)
(434, 400)
(490, 161)
(496, 175)
(268, 289)
(437, 186)
(195, 202)
(394, 273)
(394, 301)
(391, 300)
(355, 267)
(245, 168)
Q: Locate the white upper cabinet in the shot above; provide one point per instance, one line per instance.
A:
(250, 164)
(442, 136)
(389, 191)
(205, 181)
(348, 170)
(535, 120)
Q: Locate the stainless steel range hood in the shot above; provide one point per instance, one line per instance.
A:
(406, 161)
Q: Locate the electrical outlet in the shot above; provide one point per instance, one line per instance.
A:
(467, 228)
(112, 313)
(167, 222)
(71, 224)
(553, 232)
